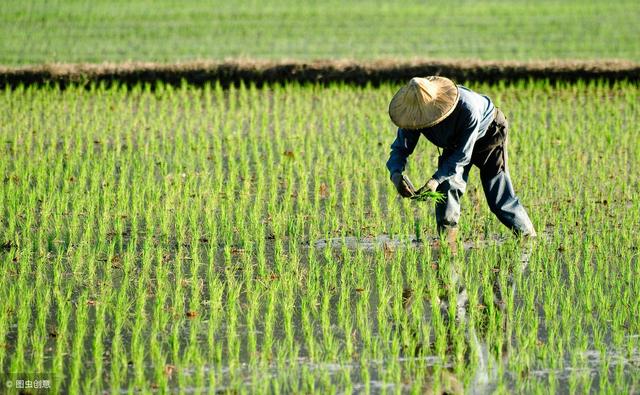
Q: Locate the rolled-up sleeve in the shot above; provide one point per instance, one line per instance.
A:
(462, 150)
(401, 148)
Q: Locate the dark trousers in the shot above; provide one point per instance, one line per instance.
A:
(490, 156)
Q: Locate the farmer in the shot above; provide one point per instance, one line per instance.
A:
(471, 131)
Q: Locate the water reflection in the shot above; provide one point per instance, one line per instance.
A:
(478, 355)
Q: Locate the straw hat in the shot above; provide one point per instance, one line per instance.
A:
(423, 102)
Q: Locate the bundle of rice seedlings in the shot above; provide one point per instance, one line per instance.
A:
(436, 197)
(423, 196)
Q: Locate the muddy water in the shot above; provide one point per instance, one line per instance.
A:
(375, 242)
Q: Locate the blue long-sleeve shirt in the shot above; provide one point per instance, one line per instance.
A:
(457, 134)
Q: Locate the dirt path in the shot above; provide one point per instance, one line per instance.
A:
(360, 73)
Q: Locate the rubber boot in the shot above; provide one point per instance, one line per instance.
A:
(452, 240)
(451, 236)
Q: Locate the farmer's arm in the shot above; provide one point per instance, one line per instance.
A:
(463, 149)
(401, 148)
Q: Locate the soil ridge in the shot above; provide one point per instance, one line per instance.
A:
(322, 71)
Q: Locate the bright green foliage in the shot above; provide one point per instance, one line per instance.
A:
(428, 196)
(39, 31)
(165, 238)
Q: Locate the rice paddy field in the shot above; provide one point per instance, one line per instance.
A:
(96, 31)
(158, 238)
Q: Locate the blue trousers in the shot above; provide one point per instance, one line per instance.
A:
(490, 156)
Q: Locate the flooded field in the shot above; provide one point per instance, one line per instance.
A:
(249, 240)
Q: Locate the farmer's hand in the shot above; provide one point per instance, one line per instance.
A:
(431, 185)
(401, 185)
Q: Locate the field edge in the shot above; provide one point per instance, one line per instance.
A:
(322, 71)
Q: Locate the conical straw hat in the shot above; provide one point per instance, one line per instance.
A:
(423, 102)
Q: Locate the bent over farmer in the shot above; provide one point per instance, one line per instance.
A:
(471, 131)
